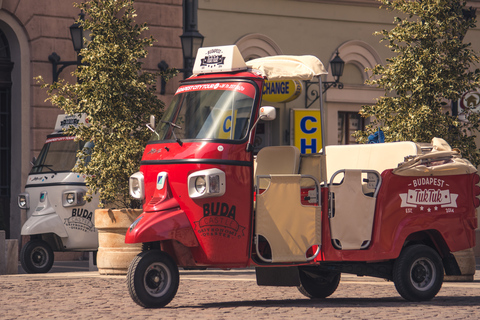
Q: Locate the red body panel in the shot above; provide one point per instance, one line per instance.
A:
(221, 225)
(441, 205)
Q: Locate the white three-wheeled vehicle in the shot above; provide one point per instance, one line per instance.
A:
(58, 217)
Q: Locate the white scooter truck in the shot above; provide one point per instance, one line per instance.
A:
(58, 217)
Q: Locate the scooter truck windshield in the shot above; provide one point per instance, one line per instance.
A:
(59, 154)
(217, 110)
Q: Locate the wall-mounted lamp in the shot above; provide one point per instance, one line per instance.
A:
(77, 33)
(336, 65)
(191, 39)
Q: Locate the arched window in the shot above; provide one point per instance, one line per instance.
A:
(256, 45)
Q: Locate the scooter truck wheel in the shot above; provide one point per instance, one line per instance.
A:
(152, 279)
(317, 284)
(418, 273)
(36, 257)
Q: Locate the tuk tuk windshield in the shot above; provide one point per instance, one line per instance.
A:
(220, 110)
(58, 154)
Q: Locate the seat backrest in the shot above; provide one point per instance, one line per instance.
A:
(377, 156)
(277, 160)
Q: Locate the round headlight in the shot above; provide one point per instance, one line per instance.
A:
(70, 198)
(22, 201)
(200, 185)
(135, 185)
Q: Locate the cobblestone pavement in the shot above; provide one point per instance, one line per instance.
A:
(224, 295)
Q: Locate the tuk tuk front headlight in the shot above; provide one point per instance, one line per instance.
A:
(136, 186)
(72, 198)
(206, 183)
(23, 201)
(200, 184)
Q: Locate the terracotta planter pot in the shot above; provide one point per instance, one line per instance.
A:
(114, 255)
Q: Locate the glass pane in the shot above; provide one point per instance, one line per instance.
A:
(58, 154)
(208, 111)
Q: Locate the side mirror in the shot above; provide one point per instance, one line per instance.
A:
(267, 113)
(152, 121)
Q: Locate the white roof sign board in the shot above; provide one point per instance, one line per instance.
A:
(64, 121)
(219, 59)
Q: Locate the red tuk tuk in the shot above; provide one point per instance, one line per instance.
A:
(384, 210)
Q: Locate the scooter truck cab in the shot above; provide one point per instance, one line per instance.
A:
(58, 217)
(300, 220)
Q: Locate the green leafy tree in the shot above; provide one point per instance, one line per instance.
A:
(431, 67)
(117, 96)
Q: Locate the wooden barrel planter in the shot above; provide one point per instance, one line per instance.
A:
(114, 255)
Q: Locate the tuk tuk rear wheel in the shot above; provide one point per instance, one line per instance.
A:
(318, 285)
(152, 279)
(36, 257)
(418, 273)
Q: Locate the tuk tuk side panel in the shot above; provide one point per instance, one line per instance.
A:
(221, 224)
(405, 205)
(408, 204)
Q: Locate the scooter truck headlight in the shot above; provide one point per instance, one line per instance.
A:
(200, 184)
(70, 198)
(136, 186)
(206, 183)
(73, 198)
(24, 201)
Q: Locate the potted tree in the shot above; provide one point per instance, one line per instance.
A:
(118, 98)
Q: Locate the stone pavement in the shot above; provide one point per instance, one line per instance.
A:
(214, 294)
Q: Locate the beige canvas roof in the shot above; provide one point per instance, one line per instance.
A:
(288, 67)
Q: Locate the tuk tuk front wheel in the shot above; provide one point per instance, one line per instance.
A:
(418, 273)
(36, 257)
(318, 285)
(152, 279)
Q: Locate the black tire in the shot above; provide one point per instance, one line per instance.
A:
(152, 279)
(36, 257)
(317, 284)
(418, 273)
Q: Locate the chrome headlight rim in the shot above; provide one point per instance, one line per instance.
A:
(136, 186)
(215, 183)
(73, 198)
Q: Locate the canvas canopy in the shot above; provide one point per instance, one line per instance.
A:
(288, 67)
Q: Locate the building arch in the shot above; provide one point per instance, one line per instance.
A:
(20, 113)
(257, 45)
(360, 54)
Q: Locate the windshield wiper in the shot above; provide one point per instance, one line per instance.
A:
(153, 130)
(173, 125)
(46, 166)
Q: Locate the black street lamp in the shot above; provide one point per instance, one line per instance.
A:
(77, 33)
(191, 40)
(336, 66)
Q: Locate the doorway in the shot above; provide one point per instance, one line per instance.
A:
(6, 66)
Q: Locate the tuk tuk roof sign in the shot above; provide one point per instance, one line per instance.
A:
(219, 59)
(64, 121)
